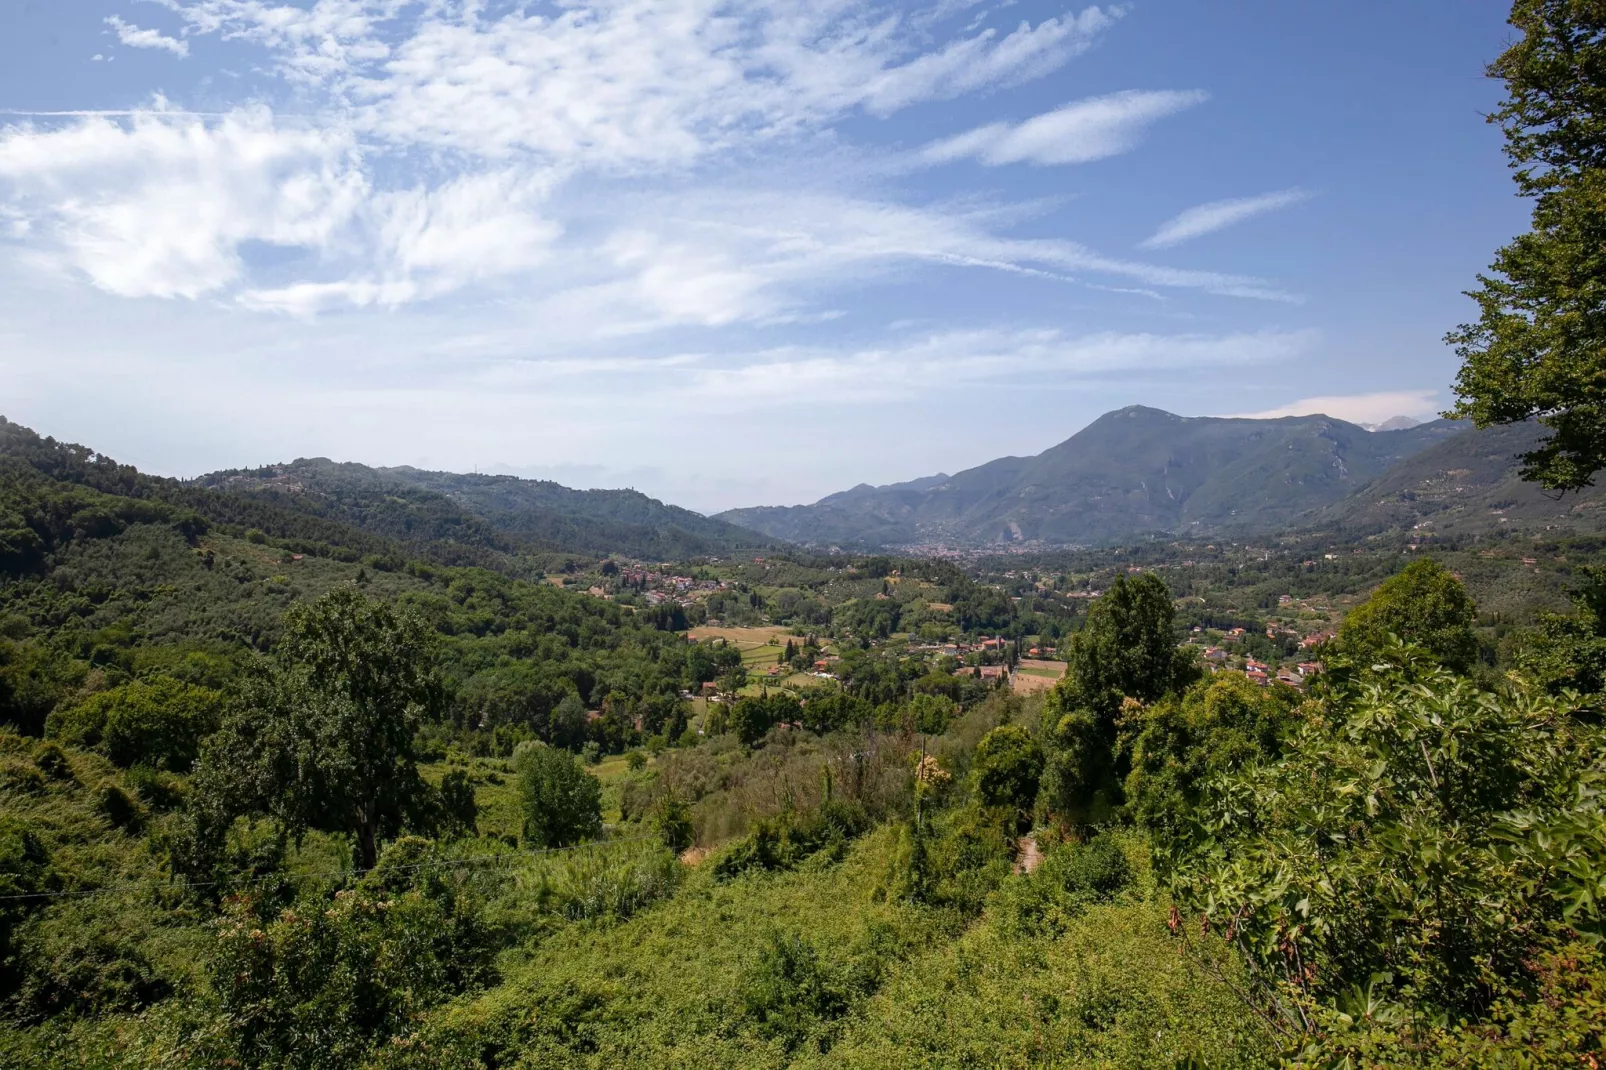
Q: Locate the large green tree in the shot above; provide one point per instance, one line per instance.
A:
(1538, 348)
(1425, 604)
(562, 802)
(324, 738)
(1125, 650)
(1124, 657)
(1181, 743)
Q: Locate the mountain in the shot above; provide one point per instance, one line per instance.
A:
(503, 512)
(1393, 423)
(1468, 482)
(1132, 472)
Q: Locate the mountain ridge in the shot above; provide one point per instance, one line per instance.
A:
(1132, 472)
(544, 515)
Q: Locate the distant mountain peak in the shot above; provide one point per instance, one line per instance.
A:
(1131, 472)
(1394, 423)
(1132, 411)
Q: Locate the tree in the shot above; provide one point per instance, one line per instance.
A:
(569, 721)
(1424, 605)
(1218, 726)
(1538, 348)
(831, 710)
(562, 802)
(1126, 649)
(1124, 656)
(324, 737)
(931, 713)
(1009, 763)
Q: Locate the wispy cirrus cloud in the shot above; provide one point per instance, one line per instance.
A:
(1080, 132)
(1208, 218)
(134, 37)
(513, 108)
(959, 360)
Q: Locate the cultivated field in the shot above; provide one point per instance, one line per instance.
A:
(1032, 676)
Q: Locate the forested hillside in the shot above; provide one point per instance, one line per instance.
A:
(1469, 483)
(280, 791)
(500, 512)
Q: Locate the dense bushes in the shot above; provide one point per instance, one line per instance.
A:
(608, 881)
(1071, 878)
(158, 722)
(1420, 841)
(782, 842)
(315, 985)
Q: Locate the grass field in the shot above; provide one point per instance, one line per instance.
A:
(1032, 676)
(760, 647)
(743, 637)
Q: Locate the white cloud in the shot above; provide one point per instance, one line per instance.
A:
(629, 82)
(1080, 132)
(159, 206)
(1371, 408)
(961, 360)
(422, 243)
(440, 140)
(1218, 215)
(134, 37)
(722, 256)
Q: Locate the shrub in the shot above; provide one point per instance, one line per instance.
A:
(159, 723)
(1417, 847)
(118, 807)
(782, 842)
(52, 761)
(21, 776)
(83, 958)
(788, 992)
(158, 790)
(459, 812)
(25, 871)
(1072, 877)
(319, 984)
(606, 881)
(671, 820)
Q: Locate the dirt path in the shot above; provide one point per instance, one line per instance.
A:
(1029, 857)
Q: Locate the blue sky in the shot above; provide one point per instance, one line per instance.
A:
(729, 252)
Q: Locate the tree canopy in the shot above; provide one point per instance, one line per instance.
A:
(1425, 604)
(562, 802)
(1538, 348)
(1125, 650)
(324, 738)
